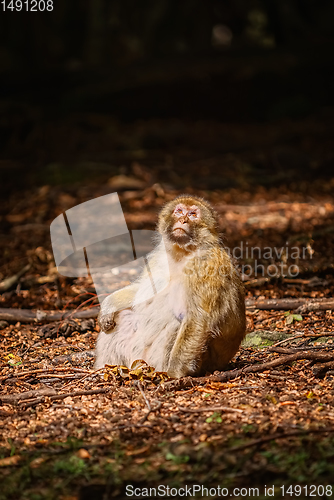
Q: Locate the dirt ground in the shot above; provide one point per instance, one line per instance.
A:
(70, 432)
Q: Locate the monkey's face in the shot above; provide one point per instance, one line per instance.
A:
(183, 221)
(186, 225)
(188, 222)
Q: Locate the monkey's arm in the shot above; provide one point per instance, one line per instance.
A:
(215, 315)
(117, 301)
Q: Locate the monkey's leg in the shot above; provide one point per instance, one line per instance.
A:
(116, 348)
(186, 352)
(116, 321)
(201, 346)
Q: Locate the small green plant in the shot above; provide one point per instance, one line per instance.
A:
(13, 360)
(215, 416)
(71, 442)
(177, 459)
(12, 447)
(74, 466)
(248, 428)
(290, 318)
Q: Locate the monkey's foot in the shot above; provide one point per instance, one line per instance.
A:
(176, 370)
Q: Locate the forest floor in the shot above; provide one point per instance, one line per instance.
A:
(69, 432)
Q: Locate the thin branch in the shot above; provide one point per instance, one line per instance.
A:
(257, 368)
(16, 398)
(291, 350)
(320, 369)
(43, 370)
(209, 409)
(129, 426)
(28, 316)
(138, 384)
(93, 374)
(148, 404)
(305, 335)
(75, 357)
(63, 396)
(278, 436)
(302, 305)
(9, 282)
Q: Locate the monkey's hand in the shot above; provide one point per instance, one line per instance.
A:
(106, 322)
(117, 301)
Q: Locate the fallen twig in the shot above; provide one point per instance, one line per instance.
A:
(54, 377)
(138, 384)
(63, 396)
(278, 436)
(27, 315)
(302, 305)
(209, 409)
(154, 408)
(304, 335)
(39, 280)
(129, 426)
(150, 408)
(9, 282)
(320, 369)
(45, 371)
(232, 374)
(74, 357)
(16, 398)
(256, 281)
(291, 350)
(93, 374)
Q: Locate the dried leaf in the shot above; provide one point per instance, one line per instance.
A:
(139, 370)
(8, 461)
(83, 453)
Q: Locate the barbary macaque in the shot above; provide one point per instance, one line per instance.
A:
(196, 323)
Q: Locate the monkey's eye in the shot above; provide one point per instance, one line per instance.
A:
(192, 215)
(178, 211)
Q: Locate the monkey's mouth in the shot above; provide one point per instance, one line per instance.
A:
(179, 231)
(180, 237)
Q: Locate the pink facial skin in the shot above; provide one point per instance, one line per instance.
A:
(184, 216)
(191, 213)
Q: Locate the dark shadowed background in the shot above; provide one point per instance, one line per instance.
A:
(207, 94)
(231, 100)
